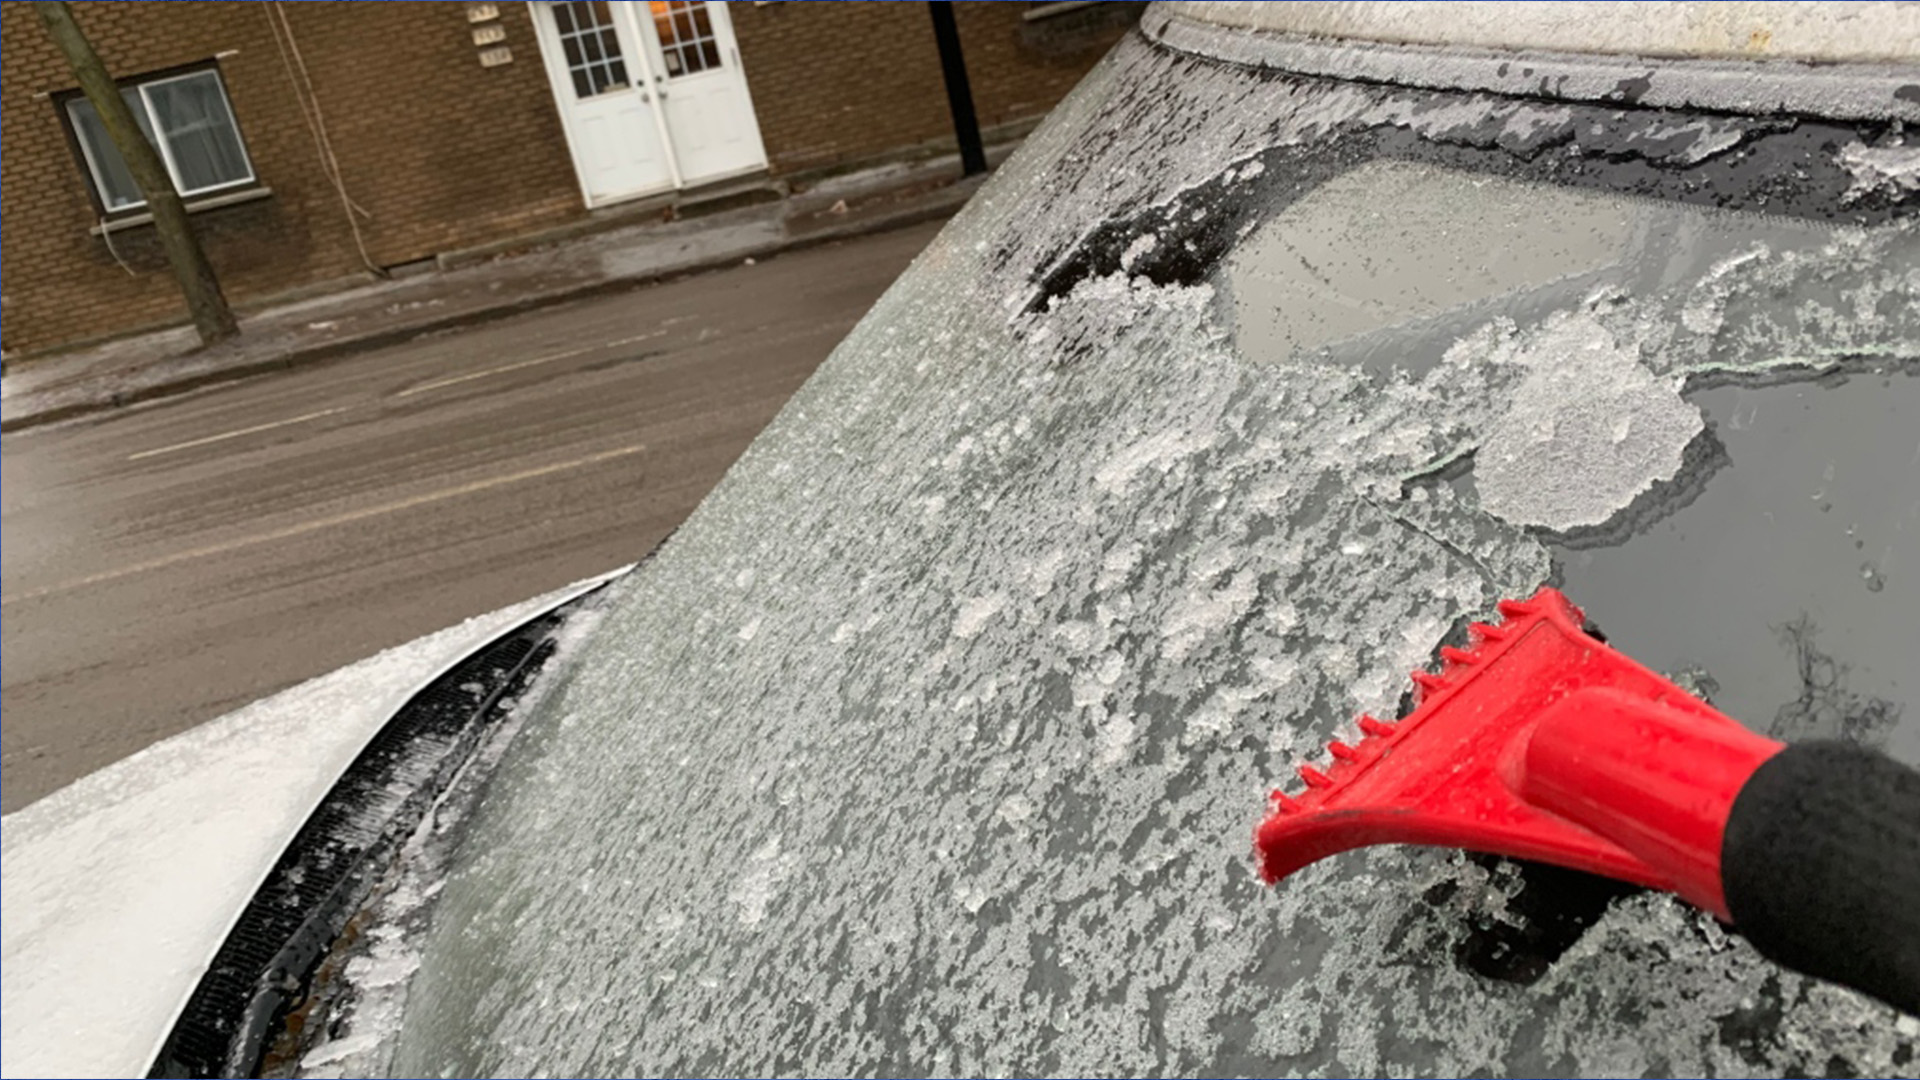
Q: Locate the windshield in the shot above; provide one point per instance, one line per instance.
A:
(933, 743)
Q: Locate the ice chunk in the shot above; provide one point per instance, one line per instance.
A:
(1157, 451)
(1587, 429)
(1202, 613)
(753, 890)
(975, 613)
(1894, 170)
(1140, 246)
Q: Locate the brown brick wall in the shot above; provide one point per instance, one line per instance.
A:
(440, 151)
(842, 82)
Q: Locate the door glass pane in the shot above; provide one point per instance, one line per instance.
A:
(592, 51)
(193, 117)
(110, 176)
(687, 43)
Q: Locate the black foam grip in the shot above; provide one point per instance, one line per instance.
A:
(1821, 866)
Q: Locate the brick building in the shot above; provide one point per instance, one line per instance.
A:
(319, 142)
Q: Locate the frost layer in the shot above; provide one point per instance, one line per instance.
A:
(1046, 598)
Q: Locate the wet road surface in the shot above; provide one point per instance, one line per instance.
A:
(169, 563)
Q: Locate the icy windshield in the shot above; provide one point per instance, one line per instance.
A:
(933, 743)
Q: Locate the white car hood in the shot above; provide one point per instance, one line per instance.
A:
(120, 888)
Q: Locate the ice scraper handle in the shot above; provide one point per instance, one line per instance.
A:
(1821, 867)
(1811, 850)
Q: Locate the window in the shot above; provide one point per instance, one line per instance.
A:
(187, 118)
(1041, 9)
(686, 36)
(592, 48)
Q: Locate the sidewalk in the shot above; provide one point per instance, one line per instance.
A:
(479, 288)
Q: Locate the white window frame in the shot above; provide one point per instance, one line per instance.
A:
(142, 88)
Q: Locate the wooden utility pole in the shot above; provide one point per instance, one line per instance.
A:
(205, 302)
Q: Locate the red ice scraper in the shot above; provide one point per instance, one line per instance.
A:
(1539, 741)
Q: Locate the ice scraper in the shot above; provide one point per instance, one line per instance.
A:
(1540, 741)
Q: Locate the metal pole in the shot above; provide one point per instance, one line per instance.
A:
(966, 126)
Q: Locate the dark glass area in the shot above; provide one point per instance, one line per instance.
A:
(1780, 574)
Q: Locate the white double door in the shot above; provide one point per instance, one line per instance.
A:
(651, 95)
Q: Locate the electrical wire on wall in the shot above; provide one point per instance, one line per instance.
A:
(291, 59)
(106, 233)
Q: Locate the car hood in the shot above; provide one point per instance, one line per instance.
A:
(121, 887)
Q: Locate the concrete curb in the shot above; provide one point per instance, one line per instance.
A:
(943, 205)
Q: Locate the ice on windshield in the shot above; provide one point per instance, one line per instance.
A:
(359, 994)
(1587, 429)
(1894, 168)
(1045, 596)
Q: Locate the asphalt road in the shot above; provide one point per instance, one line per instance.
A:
(169, 563)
